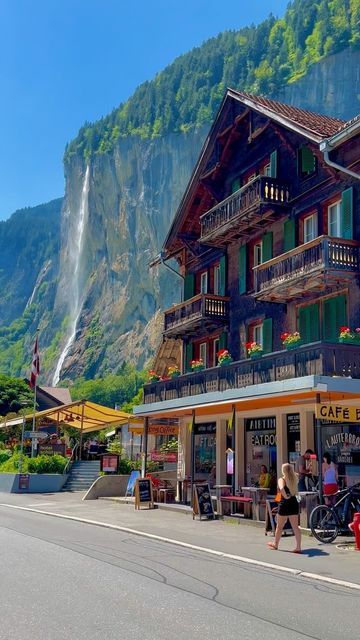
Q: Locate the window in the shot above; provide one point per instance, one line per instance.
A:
(334, 220)
(216, 349)
(258, 334)
(217, 280)
(257, 253)
(204, 282)
(267, 170)
(310, 227)
(203, 352)
(252, 177)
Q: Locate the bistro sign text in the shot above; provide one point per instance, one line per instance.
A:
(338, 413)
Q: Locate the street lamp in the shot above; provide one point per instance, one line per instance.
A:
(22, 440)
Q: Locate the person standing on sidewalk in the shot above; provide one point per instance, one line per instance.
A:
(288, 507)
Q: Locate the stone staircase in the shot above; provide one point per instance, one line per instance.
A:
(83, 473)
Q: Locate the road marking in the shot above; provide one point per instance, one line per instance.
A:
(194, 547)
(41, 504)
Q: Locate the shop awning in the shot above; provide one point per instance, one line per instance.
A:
(83, 415)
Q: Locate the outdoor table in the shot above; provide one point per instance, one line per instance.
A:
(258, 495)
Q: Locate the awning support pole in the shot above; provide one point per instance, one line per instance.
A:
(192, 454)
(233, 441)
(145, 453)
(319, 448)
(81, 429)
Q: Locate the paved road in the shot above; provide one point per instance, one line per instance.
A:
(65, 580)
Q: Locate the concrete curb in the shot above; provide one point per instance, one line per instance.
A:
(187, 545)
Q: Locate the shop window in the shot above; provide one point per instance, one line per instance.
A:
(204, 282)
(203, 352)
(205, 453)
(334, 220)
(310, 228)
(260, 447)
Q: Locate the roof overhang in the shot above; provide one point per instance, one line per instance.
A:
(269, 395)
(83, 415)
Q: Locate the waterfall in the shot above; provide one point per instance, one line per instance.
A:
(75, 298)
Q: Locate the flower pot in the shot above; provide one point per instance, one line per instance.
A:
(256, 355)
(224, 363)
(175, 375)
(348, 340)
(198, 368)
(292, 345)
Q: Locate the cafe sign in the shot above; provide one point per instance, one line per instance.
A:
(337, 413)
(163, 430)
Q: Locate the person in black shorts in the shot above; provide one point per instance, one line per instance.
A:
(288, 507)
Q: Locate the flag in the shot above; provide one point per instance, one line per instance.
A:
(35, 367)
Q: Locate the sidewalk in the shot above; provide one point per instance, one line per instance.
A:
(243, 539)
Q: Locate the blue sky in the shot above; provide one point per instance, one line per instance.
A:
(64, 62)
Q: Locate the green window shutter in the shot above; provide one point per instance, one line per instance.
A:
(289, 235)
(347, 214)
(223, 340)
(235, 185)
(307, 160)
(313, 322)
(189, 350)
(273, 164)
(267, 246)
(222, 276)
(267, 335)
(242, 269)
(334, 317)
(189, 286)
(308, 323)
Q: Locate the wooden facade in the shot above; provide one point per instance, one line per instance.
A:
(267, 238)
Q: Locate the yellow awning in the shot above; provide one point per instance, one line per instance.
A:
(86, 416)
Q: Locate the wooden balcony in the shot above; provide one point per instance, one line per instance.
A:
(315, 267)
(204, 312)
(244, 210)
(312, 359)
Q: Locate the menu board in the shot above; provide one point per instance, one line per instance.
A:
(143, 493)
(202, 502)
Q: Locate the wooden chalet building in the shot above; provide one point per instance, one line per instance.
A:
(267, 239)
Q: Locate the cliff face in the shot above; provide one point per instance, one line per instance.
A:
(29, 257)
(93, 296)
(115, 216)
(331, 87)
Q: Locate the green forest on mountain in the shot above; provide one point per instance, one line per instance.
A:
(258, 59)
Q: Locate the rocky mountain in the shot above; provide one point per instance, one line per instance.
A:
(83, 277)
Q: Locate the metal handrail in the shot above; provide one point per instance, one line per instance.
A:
(71, 459)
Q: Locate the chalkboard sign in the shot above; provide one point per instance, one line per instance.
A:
(134, 475)
(143, 493)
(202, 502)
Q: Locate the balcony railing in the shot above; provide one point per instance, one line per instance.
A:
(204, 311)
(312, 359)
(236, 209)
(297, 272)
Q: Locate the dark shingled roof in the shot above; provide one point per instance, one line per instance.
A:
(316, 124)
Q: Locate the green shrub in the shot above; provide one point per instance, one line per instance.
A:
(4, 456)
(41, 464)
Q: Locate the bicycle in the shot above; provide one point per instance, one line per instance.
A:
(327, 522)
